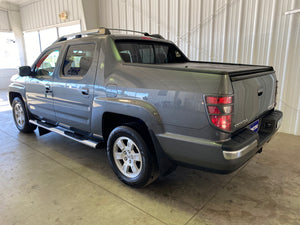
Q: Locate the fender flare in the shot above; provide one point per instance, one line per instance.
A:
(138, 109)
(17, 88)
(127, 107)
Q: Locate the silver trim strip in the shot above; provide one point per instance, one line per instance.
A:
(279, 122)
(185, 138)
(61, 131)
(230, 155)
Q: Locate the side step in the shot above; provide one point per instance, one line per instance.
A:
(66, 133)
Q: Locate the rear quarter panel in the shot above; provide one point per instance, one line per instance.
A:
(176, 95)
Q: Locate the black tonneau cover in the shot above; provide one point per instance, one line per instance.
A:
(233, 70)
(223, 68)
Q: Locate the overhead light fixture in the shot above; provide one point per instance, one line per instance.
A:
(63, 15)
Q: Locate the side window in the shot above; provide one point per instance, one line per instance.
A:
(149, 52)
(46, 65)
(78, 60)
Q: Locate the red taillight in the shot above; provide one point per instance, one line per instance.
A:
(219, 110)
(222, 122)
(218, 100)
(213, 110)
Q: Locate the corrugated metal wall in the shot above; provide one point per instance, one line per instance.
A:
(252, 31)
(4, 24)
(44, 13)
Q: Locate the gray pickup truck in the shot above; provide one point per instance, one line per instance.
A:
(152, 107)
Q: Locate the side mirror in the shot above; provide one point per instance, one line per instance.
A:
(24, 71)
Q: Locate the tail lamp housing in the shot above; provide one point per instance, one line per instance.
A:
(220, 110)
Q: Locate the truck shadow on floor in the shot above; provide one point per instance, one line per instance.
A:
(188, 188)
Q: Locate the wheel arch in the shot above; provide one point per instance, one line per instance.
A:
(13, 95)
(112, 120)
(127, 109)
(109, 113)
(16, 90)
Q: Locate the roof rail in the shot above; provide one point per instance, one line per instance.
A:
(133, 31)
(157, 36)
(103, 31)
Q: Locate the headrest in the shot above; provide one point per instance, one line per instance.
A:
(125, 56)
(85, 63)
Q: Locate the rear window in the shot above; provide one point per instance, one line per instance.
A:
(148, 52)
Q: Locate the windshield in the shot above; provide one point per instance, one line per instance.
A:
(148, 52)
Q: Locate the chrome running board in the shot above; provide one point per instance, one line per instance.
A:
(66, 133)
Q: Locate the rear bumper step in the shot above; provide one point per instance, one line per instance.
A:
(66, 133)
(230, 155)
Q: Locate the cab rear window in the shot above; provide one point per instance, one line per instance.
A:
(148, 52)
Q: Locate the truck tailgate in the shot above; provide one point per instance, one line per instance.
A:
(254, 94)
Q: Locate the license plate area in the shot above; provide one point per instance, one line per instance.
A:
(254, 126)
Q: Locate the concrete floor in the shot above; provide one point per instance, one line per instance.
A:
(53, 180)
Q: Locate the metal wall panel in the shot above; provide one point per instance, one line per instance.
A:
(44, 13)
(252, 31)
(4, 22)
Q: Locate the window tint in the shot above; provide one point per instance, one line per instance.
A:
(46, 64)
(148, 52)
(78, 60)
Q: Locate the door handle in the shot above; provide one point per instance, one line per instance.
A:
(85, 91)
(260, 92)
(48, 87)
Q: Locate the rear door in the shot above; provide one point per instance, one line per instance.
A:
(39, 86)
(73, 88)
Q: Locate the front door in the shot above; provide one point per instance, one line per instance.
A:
(73, 88)
(39, 86)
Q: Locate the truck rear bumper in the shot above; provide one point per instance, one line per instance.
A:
(220, 156)
(231, 155)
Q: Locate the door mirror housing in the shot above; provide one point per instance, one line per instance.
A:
(25, 71)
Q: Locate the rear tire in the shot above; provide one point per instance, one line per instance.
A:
(20, 115)
(130, 157)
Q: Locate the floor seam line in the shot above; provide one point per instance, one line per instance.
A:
(115, 195)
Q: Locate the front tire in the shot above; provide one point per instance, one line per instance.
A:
(130, 157)
(20, 115)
